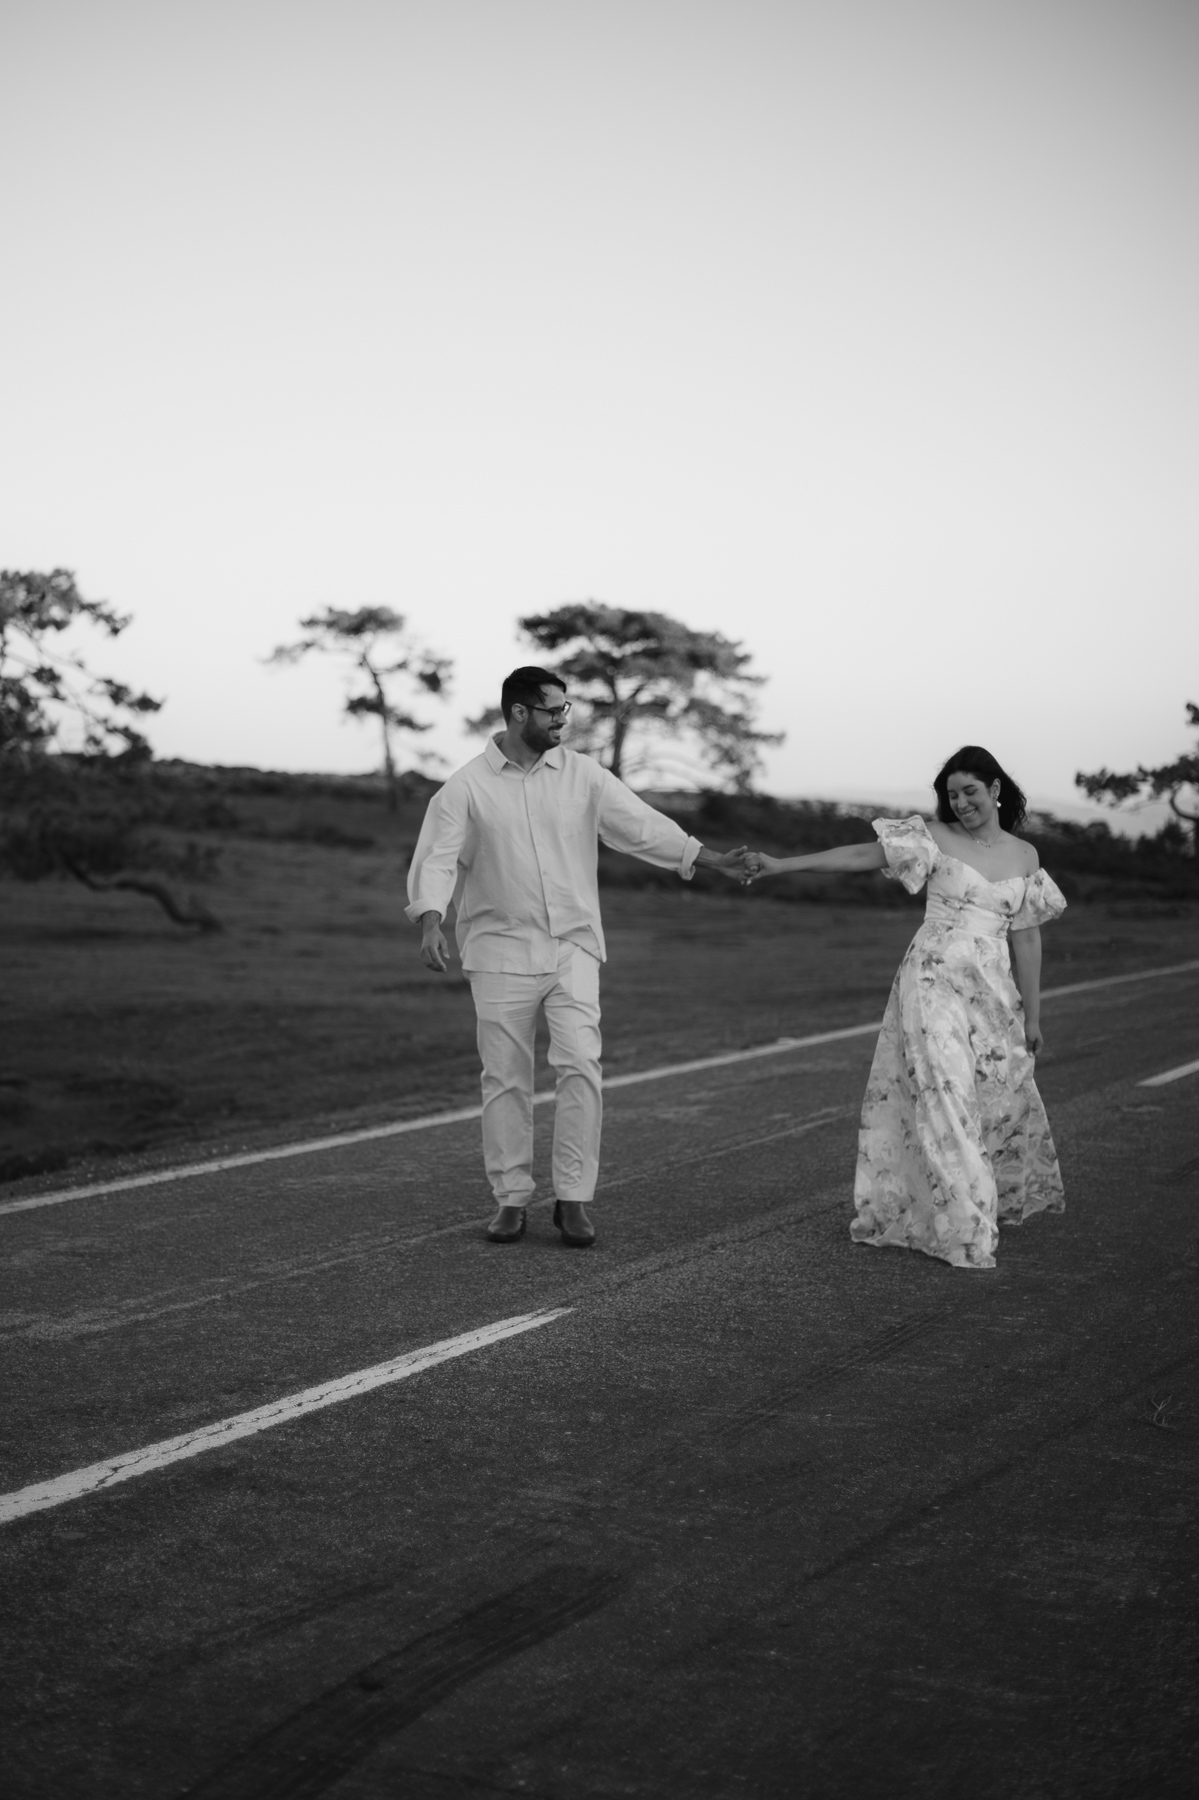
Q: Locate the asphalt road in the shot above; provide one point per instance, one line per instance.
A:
(760, 1512)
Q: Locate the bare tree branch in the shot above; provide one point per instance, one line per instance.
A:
(375, 641)
(194, 913)
(647, 678)
(43, 691)
(1167, 781)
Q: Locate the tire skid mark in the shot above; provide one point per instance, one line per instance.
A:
(910, 1518)
(437, 1779)
(261, 1630)
(874, 1350)
(309, 1752)
(143, 1310)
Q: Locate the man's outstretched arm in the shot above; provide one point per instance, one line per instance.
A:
(628, 823)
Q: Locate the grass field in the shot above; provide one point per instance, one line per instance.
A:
(124, 1035)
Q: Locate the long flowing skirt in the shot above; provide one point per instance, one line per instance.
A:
(954, 1137)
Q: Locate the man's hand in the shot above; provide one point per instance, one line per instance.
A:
(732, 862)
(433, 948)
(1033, 1037)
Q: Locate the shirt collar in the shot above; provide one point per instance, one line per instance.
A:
(496, 759)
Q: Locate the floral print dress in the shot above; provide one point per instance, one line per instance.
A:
(954, 1136)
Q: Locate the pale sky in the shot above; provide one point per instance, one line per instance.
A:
(863, 331)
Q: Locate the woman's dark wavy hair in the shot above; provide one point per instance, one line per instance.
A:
(972, 759)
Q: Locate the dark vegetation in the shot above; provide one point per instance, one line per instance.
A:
(102, 819)
(45, 683)
(1171, 781)
(122, 1035)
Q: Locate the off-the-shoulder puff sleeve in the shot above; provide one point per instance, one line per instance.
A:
(909, 849)
(1043, 901)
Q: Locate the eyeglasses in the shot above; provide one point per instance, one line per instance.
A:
(557, 713)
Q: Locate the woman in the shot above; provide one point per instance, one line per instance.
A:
(954, 1137)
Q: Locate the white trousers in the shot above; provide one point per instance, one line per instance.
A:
(506, 1007)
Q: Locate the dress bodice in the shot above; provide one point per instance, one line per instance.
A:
(959, 898)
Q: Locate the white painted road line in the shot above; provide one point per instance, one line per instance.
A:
(184, 1170)
(1191, 1068)
(309, 1146)
(102, 1475)
(1106, 981)
(737, 1056)
(214, 1167)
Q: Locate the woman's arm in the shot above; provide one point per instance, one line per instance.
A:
(1026, 962)
(846, 859)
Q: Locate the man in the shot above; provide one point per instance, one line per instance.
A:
(512, 838)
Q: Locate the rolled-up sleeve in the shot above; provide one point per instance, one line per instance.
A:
(433, 874)
(626, 823)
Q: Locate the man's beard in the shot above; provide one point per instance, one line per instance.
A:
(537, 737)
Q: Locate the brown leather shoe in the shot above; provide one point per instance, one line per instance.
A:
(507, 1226)
(579, 1232)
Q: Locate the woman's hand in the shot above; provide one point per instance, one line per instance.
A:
(758, 863)
(1033, 1038)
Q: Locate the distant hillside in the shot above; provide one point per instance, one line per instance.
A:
(207, 803)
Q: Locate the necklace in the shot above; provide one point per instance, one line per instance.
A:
(983, 843)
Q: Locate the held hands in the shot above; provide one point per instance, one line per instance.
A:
(744, 865)
(730, 862)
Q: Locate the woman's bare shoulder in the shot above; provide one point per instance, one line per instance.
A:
(1032, 861)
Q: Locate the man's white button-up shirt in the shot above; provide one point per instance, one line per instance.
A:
(516, 852)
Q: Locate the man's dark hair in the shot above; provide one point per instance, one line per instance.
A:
(524, 687)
